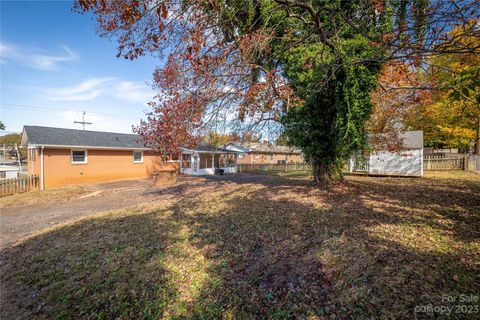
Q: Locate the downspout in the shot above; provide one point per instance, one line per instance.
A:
(42, 180)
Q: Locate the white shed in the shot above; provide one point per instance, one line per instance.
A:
(8, 172)
(406, 162)
(204, 159)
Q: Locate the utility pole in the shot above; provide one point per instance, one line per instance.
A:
(83, 123)
(19, 158)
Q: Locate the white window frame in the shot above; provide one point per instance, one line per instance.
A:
(133, 157)
(79, 162)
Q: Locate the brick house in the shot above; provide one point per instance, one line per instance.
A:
(264, 153)
(66, 156)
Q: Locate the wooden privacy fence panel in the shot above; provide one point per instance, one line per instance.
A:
(271, 167)
(18, 185)
(434, 163)
(473, 163)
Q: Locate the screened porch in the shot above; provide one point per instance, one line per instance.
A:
(200, 161)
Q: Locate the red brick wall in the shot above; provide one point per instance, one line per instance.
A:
(103, 165)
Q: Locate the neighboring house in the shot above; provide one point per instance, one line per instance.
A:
(8, 172)
(264, 153)
(66, 156)
(406, 162)
(204, 159)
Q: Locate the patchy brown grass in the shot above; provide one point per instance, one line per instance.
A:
(47, 196)
(261, 247)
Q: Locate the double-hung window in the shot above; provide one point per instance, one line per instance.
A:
(137, 156)
(79, 156)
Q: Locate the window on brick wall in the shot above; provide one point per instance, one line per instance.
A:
(138, 156)
(79, 156)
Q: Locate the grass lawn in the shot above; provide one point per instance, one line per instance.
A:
(265, 247)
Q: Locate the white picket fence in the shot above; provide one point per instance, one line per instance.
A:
(442, 163)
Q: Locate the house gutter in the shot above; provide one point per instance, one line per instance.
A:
(42, 180)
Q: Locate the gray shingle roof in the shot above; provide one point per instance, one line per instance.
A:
(47, 136)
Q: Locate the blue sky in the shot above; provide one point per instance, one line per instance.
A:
(53, 65)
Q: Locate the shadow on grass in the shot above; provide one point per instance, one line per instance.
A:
(257, 248)
(102, 268)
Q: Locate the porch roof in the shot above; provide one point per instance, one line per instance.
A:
(205, 148)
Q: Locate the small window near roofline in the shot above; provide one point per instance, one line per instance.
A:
(79, 156)
(137, 156)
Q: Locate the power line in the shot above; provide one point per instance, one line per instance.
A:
(14, 106)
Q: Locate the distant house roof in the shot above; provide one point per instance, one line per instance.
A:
(58, 137)
(206, 148)
(263, 147)
(236, 147)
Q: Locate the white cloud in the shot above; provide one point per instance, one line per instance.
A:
(135, 92)
(99, 122)
(33, 57)
(128, 91)
(87, 90)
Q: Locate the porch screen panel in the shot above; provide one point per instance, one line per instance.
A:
(205, 161)
(217, 161)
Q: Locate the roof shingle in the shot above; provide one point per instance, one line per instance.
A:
(48, 136)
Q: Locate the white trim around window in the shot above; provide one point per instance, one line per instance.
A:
(85, 157)
(141, 157)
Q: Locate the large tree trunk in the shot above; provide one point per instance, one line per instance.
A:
(323, 172)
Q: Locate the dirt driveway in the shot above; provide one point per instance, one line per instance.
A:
(21, 221)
